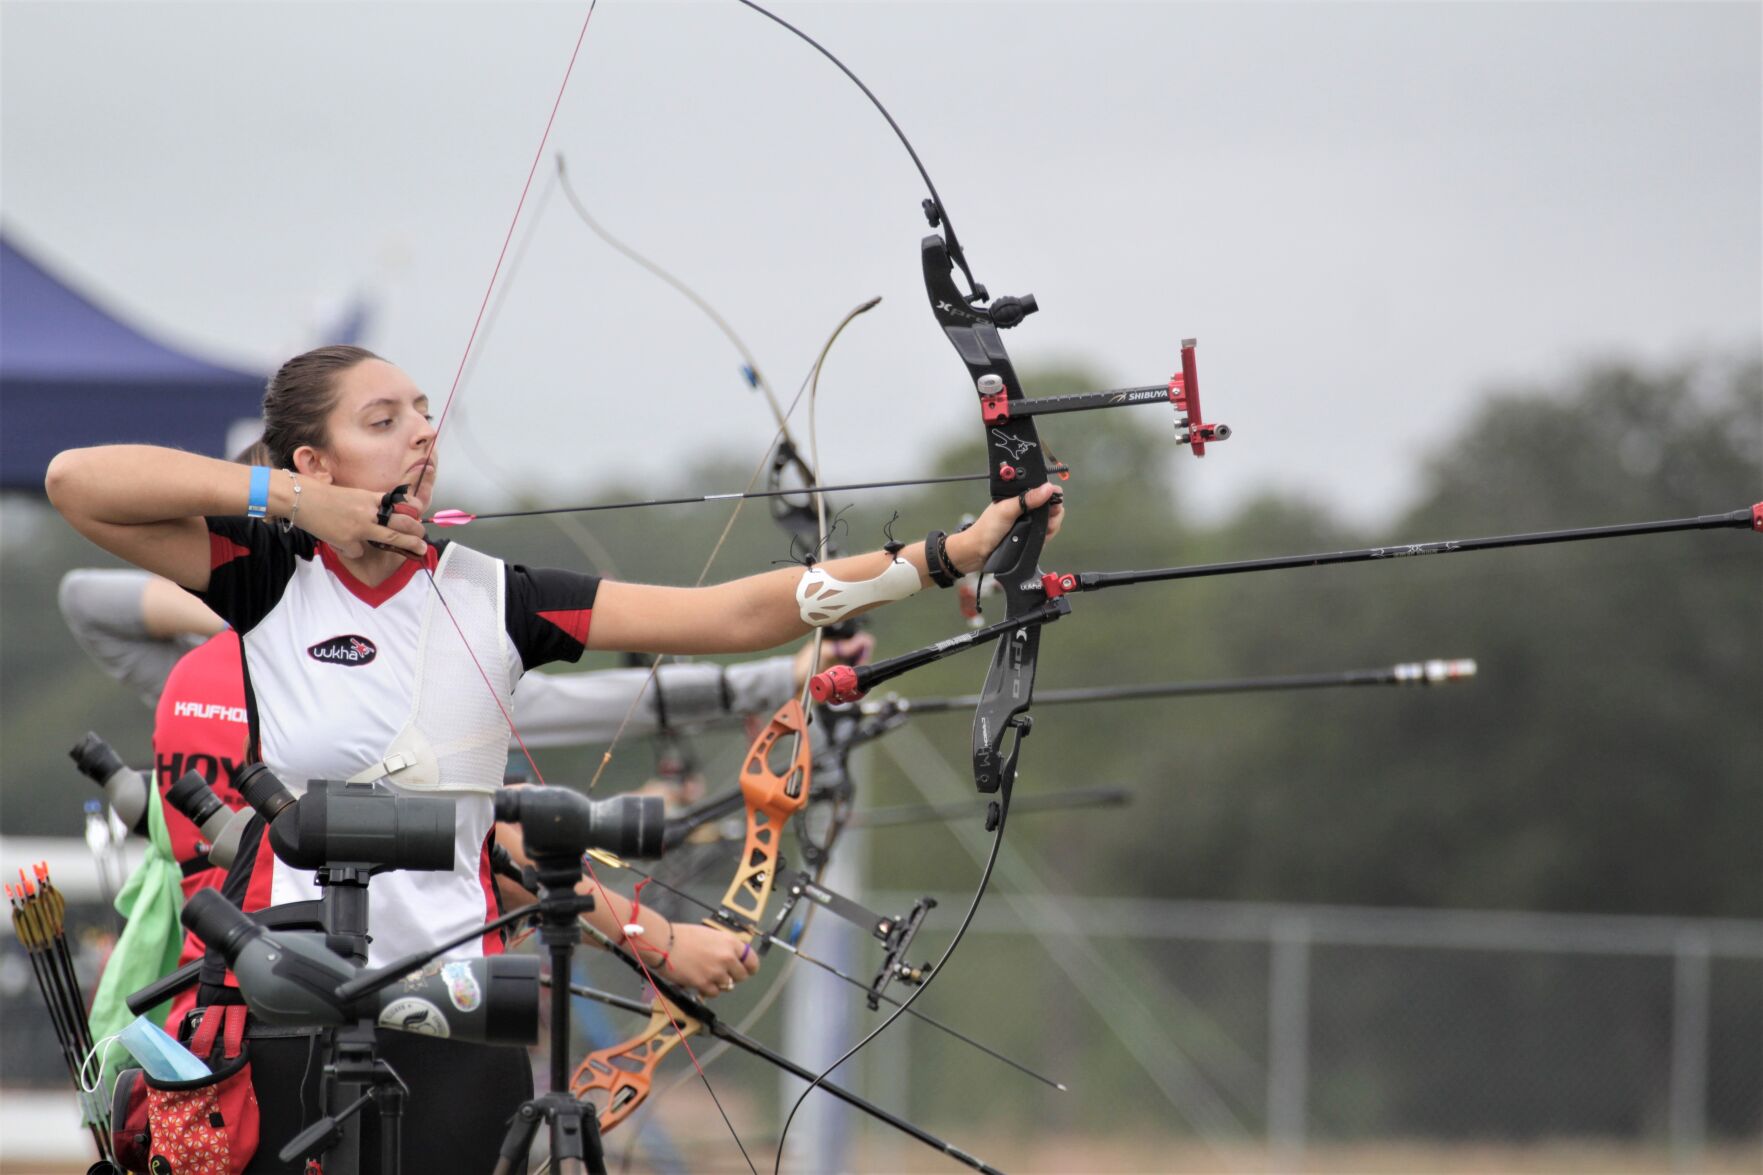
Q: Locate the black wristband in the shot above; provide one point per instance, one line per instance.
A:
(936, 559)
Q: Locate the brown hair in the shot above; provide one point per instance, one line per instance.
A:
(299, 399)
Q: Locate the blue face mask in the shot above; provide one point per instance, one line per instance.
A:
(163, 1058)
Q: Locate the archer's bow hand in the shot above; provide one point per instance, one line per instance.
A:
(970, 548)
(708, 961)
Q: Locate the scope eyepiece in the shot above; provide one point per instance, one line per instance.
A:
(260, 788)
(219, 923)
(193, 798)
(94, 758)
(125, 789)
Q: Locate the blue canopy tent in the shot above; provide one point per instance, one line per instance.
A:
(71, 375)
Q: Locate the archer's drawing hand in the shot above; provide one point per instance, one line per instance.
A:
(972, 547)
(348, 519)
(709, 961)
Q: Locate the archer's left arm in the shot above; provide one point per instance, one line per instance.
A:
(760, 611)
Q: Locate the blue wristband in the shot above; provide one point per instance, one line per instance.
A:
(258, 506)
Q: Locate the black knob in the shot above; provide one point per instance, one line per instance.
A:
(1007, 312)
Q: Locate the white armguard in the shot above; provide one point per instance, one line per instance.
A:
(824, 600)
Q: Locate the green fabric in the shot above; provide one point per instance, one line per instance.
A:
(152, 940)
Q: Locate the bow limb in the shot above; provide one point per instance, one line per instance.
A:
(787, 455)
(619, 1077)
(1016, 465)
(578, 535)
(685, 1008)
(728, 527)
(681, 1034)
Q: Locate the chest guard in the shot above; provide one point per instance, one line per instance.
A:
(456, 739)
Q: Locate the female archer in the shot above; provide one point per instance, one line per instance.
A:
(369, 653)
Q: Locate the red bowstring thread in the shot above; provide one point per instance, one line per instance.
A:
(513, 729)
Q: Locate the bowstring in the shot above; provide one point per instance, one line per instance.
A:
(440, 596)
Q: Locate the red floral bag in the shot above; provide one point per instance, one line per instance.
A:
(209, 1125)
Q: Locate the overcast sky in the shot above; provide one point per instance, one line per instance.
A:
(1367, 213)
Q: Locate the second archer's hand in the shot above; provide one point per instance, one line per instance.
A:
(969, 549)
(851, 650)
(709, 961)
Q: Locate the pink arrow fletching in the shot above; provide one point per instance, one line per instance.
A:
(451, 518)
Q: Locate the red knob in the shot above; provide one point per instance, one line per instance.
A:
(1007, 471)
(835, 686)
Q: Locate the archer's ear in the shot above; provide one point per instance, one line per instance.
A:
(309, 462)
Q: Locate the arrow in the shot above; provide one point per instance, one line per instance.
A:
(462, 517)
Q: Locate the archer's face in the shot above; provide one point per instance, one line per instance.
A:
(379, 433)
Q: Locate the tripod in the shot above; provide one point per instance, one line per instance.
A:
(575, 1125)
(354, 1074)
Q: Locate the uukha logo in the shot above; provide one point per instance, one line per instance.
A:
(344, 650)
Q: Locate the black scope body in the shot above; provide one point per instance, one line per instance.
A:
(125, 789)
(338, 823)
(219, 825)
(290, 979)
(556, 821)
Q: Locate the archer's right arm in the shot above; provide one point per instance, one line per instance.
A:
(146, 505)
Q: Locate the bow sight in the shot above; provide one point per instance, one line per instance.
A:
(1182, 390)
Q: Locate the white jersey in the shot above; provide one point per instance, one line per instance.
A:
(340, 683)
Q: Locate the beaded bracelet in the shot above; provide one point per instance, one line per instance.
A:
(288, 522)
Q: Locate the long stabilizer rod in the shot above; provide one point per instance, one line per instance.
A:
(1433, 672)
(1749, 518)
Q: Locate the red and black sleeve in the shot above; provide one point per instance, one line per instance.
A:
(250, 563)
(548, 613)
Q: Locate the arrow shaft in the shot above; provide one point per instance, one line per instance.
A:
(695, 499)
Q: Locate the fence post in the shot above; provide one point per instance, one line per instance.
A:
(1689, 1049)
(1288, 1034)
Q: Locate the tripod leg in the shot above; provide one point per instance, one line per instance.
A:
(575, 1137)
(519, 1138)
(576, 1129)
(390, 1101)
